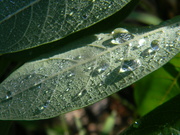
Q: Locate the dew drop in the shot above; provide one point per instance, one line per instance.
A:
(79, 95)
(71, 74)
(8, 95)
(67, 89)
(71, 13)
(85, 16)
(29, 76)
(121, 35)
(38, 86)
(130, 65)
(41, 108)
(100, 69)
(147, 52)
(136, 124)
(90, 68)
(155, 45)
(178, 33)
(100, 38)
(141, 42)
(78, 57)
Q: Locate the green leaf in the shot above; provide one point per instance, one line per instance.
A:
(100, 65)
(164, 120)
(5, 127)
(27, 24)
(157, 87)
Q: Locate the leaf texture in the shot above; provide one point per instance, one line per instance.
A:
(67, 80)
(30, 23)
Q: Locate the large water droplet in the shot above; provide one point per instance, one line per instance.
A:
(130, 65)
(155, 45)
(121, 35)
(100, 69)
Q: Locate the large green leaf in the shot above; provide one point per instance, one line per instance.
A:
(26, 24)
(100, 65)
(164, 120)
(158, 87)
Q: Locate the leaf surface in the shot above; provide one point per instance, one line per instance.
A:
(99, 66)
(30, 23)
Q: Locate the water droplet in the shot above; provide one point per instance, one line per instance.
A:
(40, 69)
(141, 42)
(46, 103)
(178, 33)
(100, 69)
(97, 17)
(38, 86)
(100, 84)
(29, 76)
(136, 124)
(41, 108)
(155, 45)
(85, 16)
(79, 95)
(100, 38)
(67, 89)
(77, 57)
(130, 65)
(71, 13)
(8, 95)
(147, 52)
(71, 74)
(121, 35)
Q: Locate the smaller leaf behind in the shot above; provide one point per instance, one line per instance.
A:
(157, 88)
(164, 120)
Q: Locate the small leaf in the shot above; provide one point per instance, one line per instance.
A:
(30, 23)
(164, 120)
(157, 88)
(67, 79)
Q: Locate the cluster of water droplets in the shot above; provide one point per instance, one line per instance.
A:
(154, 47)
